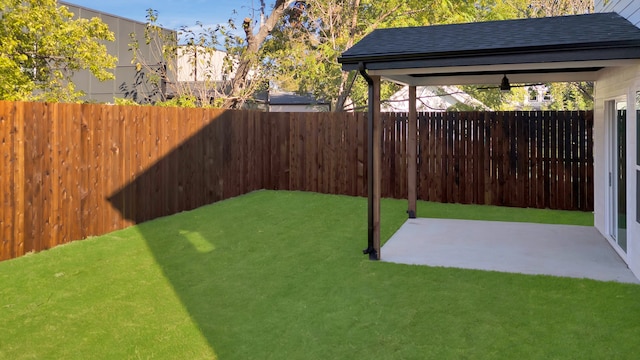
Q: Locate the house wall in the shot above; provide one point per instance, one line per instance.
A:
(617, 84)
(198, 64)
(299, 108)
(431, 98)
(630, 9)
(542, 97)
(128, 83)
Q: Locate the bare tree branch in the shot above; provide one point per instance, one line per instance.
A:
(249, 57)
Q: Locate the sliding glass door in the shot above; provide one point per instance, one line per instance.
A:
(617, 172)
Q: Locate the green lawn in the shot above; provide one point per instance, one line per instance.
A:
(281, 275)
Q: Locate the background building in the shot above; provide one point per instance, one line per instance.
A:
(131, 81)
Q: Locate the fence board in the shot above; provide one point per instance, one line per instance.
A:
(10, 181)
(589, 158)
(580, 161)
(523, 176)
(296, 153)
(534, 159)
(435, 158)
(335, 159)
(574, 185)
(510, 163)
(148, 169)
(493, 158)
(312, 153)
(561, 155)
(440, 157)
(325, 154)
(467, 176)
(457, 159)
(502, 161)
(362, 155)
(33, 178)
(97, 165)
(6, 190)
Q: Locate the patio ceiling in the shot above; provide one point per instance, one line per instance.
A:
(555, 49)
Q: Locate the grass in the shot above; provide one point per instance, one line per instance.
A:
(280, 275)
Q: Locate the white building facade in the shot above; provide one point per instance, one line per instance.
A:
(432, 98)
(616, 148)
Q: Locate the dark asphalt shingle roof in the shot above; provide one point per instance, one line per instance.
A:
(589, 31)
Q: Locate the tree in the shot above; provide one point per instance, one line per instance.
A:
(154, 61)
(42, 46)
(200, 45)
(565, 96)
(304, 48)
(573, 95)
(249, 53)
(542, 8)
(295, 47)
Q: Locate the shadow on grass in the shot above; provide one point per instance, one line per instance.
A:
(253, 273)
(260, 275)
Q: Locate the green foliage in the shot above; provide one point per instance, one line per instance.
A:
(541, 8)
(571, 96)
(155, 61)
(303, 49)
(124, 101)
(42, 46)
(199, 64)
(184, 101)
(464, 107)
(492, 97)
(300, 53)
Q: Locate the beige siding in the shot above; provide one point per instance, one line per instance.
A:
(630, 9)
(125, 84)
(209, 65)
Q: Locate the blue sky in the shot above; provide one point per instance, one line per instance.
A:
(173, 14)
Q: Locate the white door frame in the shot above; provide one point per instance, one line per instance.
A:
(610, 112)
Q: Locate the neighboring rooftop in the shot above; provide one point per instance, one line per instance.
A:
(575, 31)
(432, 98)
(72, 5)
(294, 99)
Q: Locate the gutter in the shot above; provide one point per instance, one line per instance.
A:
(352, 62)
(370, 248)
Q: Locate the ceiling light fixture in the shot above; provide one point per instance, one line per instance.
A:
(504, 85)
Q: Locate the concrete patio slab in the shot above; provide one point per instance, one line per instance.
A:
(559, 250)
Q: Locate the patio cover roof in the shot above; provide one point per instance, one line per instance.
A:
(553, 49)
(564, 48)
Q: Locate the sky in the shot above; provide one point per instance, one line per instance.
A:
(173, 14)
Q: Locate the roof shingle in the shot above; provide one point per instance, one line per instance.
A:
(589, 31)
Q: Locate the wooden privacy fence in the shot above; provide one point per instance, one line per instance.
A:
(538, 159)
(70, 171)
